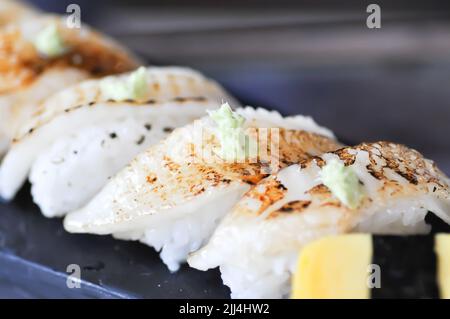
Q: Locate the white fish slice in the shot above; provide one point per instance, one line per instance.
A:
(16, 107)
(70, 120)
(172, 196)
(256, 246)
(14, 10)
(29, 76)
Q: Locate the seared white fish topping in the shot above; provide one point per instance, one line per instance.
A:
(28, 76)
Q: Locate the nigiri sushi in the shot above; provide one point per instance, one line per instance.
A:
(83, 135)
(381, 188)
(41, 55)
(172, 196)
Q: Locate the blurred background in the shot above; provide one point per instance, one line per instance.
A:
(309, 57)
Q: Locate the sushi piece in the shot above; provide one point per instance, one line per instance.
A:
(382, 188)
(361, 266)
(14, 10)
(41, 55)
(83, 135)
(172, 196)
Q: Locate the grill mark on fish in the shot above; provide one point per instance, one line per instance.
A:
(188, 176)
(196, 189)
(281, 186)
(180, 99)
(343, 154)
(273, 191)
(405, 162)
(303, 163)
(298, 206)
(320, 189)
(332, 203)
(293, 207)
(151, 179)
(141, 140)
(322, 194)
(319, 161)
(253, 179)
(378, 175)
(170, 164)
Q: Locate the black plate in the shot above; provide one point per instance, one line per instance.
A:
(35, 252)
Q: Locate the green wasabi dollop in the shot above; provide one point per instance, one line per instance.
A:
(49, 42)
(231, 134)
(343, 183)
(133, 87)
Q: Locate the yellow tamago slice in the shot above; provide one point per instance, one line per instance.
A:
(334, 267)
(442, 248)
